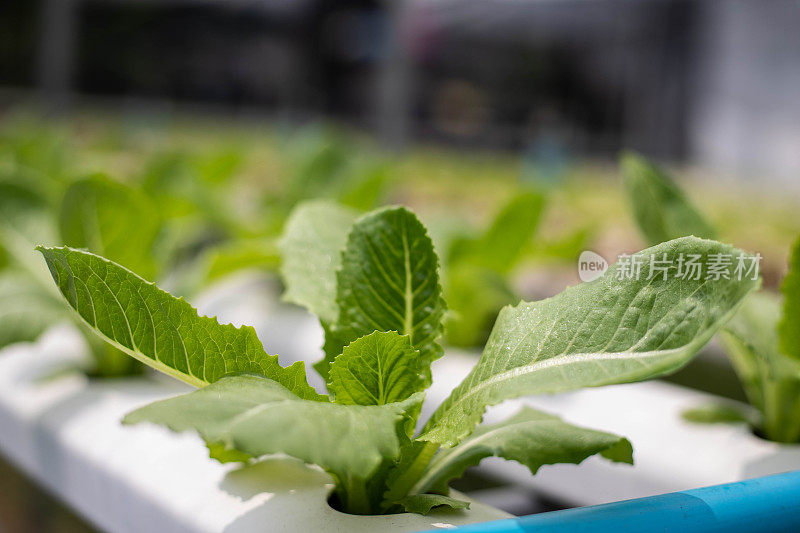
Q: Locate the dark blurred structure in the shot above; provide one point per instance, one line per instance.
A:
(711, 81)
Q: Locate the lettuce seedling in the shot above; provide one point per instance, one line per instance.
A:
(762, 341)
(376, 290)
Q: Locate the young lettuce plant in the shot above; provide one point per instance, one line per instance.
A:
(373, 281)
(761, 341)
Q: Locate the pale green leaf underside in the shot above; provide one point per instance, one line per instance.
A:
(789, 326)
(258, 416)
(111, 220)
(160, 330)
(376, 369)
(530, 437)
(311, 247)
(423, 503)
(389, 281)
(660, 207)
(220, 452)
(599, 333)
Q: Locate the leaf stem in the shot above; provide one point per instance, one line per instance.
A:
(780, 414)
(355, 499)
(408, 321)
(404, 484)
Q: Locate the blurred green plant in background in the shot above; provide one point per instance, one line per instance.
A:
(477, 269)
(761, 340)
(185, 216)
(188, 201)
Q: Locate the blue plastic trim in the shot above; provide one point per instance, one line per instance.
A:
(767, 504)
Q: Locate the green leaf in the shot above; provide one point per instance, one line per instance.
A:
(22, 204)
(26, 310)
(376, 369)
(512, 229)
(317, 158)
(476, 285)
(112, 220)
(660, 207)
(770, 378)
(107, 360)
(223, 260)
(258, 416)
(41, 150)
(311, 246)
(365, 185)
(330, 347)
(719, 413)
(751, 342)
(196, 186)
(474, 297)
(415, 455)
(423, 503)
(241, 255)
(530, 437)
(160, 330)
(117, 222)
(221, 166)
(789, 327)
(168, 178)
(599, 333)
(389, 281)
(25, 220)
(566, 247)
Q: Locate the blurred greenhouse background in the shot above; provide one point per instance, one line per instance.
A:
(707, 82)
(215, 118)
